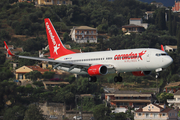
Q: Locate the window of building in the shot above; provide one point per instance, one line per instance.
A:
(87, 32)
(77, 32)
(155, 115)
(20, 76)
(169, 114)
(139, 114)
(163, 114)
(92, 32)
(64, 2)
(147, 115)
(152, 106)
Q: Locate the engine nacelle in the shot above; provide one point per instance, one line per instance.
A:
(97, 70)
(141, 73)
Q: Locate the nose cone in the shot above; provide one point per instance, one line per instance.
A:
(168, 61)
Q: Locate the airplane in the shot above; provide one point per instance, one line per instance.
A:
(139, 61)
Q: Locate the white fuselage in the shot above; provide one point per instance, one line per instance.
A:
(129, 60)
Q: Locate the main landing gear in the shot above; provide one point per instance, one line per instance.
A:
(92, 79)
(118, 78)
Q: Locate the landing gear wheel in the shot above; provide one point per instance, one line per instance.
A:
(118, 79)
(92, 79)
(115, 79)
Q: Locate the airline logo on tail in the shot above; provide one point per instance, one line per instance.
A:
(56, 47)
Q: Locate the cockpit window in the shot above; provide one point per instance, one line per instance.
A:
(161, 54)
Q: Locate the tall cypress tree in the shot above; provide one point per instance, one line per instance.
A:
(170, 22)
(174, 26)
(178, 41)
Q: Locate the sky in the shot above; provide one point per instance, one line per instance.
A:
(166, 3)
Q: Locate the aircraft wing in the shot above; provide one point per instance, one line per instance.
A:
(70, 65)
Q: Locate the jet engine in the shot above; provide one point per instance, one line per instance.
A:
(141, 73)
(97, 70)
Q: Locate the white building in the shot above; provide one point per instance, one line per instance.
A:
(176, 100)
(138, 21)
(170, 48)
(84, 34)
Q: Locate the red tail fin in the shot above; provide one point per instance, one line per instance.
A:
(56, 46)
(162, 48)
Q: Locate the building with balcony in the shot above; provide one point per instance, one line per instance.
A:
(172, 87)
(156, 112)
(119, 99)
(176, 101)
(84, 34)
(53, 2)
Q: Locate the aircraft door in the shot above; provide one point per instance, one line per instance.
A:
(148, 57)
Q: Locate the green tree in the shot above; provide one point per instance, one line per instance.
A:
(14, 113)
(2, 57)
(113, 30)
(33, 75)
(170, 21)
(66, 37)
(48, 75)
(101, 112)
(33, 113)
(164, 96)
(178, 42)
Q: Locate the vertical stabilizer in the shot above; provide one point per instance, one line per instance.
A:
(162, 48)
(56, 46)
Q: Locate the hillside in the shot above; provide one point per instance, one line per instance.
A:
(167, 3)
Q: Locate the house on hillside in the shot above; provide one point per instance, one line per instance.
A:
(172, 87)
(13, 50)
(125, 99)
(138, 21)
(176, 7)
(53, 2)
(20, 72)
(176, 101)
(84, 34)
(157, 4)
(156, 112)
(135, 25)
(170, 48)
(148, 14)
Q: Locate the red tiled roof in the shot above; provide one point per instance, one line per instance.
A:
(166, 110)
(47, 54)
(76, 51)
(37, 68)
(158, 106)
(135, 18)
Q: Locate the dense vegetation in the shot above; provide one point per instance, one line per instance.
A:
(24, 19)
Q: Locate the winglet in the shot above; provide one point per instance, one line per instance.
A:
(162, 48)
(8, 50)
